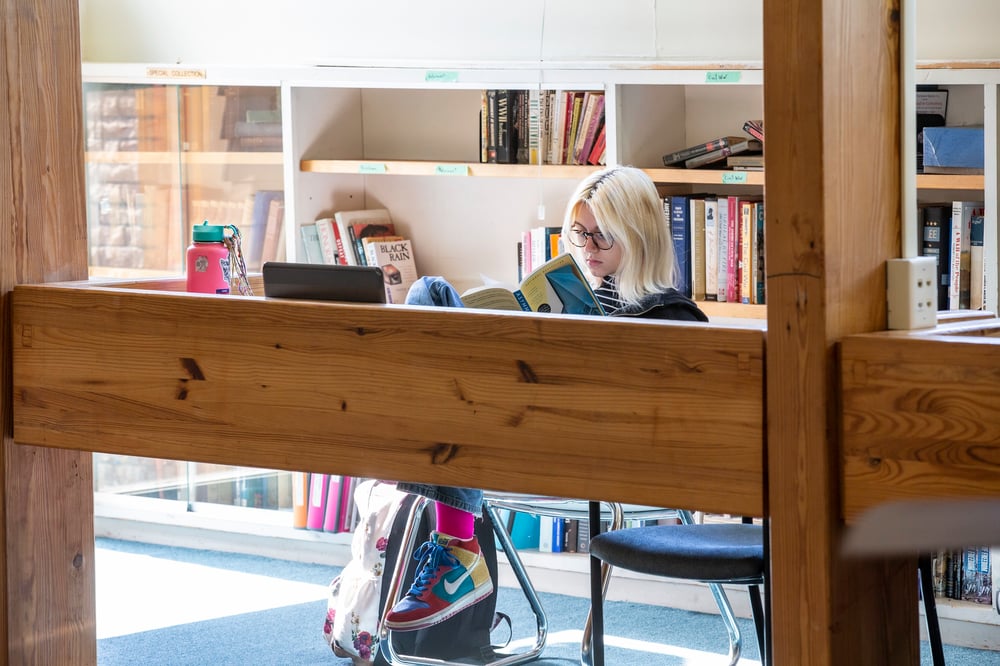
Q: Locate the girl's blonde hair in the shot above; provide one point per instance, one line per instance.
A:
(627, 208)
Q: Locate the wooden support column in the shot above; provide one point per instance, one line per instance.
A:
(46, 495)
(832, 105)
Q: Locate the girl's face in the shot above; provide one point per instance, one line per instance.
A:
(600, 263)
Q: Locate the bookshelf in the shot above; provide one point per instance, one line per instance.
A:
(972, 87)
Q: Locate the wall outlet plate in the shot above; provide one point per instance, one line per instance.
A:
(911, 292)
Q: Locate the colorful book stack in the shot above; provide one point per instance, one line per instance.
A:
(323, 502)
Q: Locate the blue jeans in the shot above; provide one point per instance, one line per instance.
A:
(465, 499)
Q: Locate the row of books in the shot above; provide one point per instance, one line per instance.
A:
(537, 245)
(260, 218)
(542, 127)
(953, 232)
(363, 238)
(735, 152)
(719, 245)
(324, 502)
(964, 574)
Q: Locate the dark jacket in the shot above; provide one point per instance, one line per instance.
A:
(670, 304)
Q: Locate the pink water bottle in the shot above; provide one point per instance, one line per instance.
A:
(208, 260)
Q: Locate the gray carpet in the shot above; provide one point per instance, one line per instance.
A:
(639, 634)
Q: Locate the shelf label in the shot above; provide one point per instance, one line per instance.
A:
(451, 169)
(734, 178)
(440, 76)
(371, 167)
(723, 77)
(174, 73)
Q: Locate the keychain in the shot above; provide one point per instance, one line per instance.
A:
(238, 266)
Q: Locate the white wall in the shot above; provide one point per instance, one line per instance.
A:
(455, 31)
(393, 31)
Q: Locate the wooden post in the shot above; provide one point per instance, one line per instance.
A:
(47, 614)
(831, 105)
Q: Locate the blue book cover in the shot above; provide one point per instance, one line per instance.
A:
(679, 231)
(953, 147)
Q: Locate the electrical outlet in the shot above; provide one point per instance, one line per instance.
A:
(911, 290)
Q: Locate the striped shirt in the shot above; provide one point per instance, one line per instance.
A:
(607, 295)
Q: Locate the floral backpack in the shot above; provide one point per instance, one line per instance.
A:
(353, 611)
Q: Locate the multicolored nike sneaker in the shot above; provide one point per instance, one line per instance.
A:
(452, 575)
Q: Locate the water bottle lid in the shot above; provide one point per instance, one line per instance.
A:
(208, 233)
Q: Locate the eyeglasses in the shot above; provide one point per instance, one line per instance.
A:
(579, 237)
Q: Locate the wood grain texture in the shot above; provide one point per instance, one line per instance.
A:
(832, 220)
(920, 419)
(47, 581)
(574, 406)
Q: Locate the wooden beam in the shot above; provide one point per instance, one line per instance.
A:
(832, 107)
(459, 397)
(46, 497)
(920, 418)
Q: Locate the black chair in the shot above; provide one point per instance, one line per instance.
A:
(717, 554)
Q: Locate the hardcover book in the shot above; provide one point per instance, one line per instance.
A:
(326, 231)
(317, 501)
(311, 243)
(755, 128)
(936, 236)
(716, 156)
(679, 156)
(977, 272)
(356, 225)
(960, 288)
(711, 248)
(676, 211)
(556, 286)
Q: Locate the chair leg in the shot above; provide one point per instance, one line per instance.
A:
(757, 609)
(926, 572)
(733, 629)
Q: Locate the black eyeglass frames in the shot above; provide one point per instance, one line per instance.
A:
(578, 237)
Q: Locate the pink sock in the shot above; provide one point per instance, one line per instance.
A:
(454, 522)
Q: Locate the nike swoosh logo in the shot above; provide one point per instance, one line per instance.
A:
(451, 586)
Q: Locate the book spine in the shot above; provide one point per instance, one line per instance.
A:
(327, 240)
(491, 126)
(311, 244)
(696, 215)
(558, 533)
(732, 252)
(747, 233)
(347, 508)
(722, 232)
(597, 153)
(317, 499)
(677, 209)
(504, 153)
(300, 499)
(522, 301)
(760, 274)
(955, 256)
(534, 126)
(330, 511)
(977, 267)
(545, 528)
(484, 127)
(754, 130)
(693, 151)
(711, 249)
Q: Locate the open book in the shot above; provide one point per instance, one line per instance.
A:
(558, 285)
